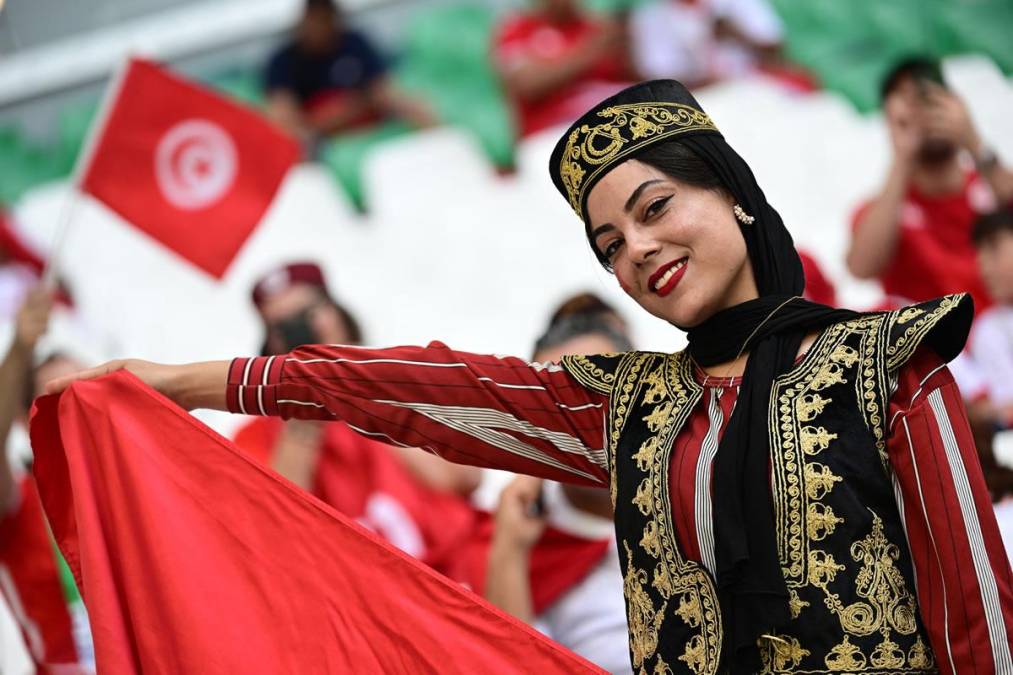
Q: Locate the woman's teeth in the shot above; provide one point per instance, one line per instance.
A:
(667, 276)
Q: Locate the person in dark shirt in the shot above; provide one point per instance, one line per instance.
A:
(331, 78)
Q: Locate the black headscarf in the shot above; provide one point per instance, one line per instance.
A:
(751, 587)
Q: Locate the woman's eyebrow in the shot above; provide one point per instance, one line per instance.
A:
(636, 194)
(600, 230)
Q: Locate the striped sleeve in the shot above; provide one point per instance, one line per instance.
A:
(496, 412)
(962, 573)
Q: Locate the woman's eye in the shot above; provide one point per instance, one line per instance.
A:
(612, 248)
(655, 207)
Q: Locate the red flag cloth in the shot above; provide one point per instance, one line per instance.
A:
(30, 585)
(191, 557)
(190, 168)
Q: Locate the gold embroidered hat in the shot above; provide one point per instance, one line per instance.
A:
(618, 128)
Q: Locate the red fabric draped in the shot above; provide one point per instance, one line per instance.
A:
(193, 558)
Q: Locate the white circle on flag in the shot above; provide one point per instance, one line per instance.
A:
(195, 164)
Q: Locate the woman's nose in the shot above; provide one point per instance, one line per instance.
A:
(642, 249)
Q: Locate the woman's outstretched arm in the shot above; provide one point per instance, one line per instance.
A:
(964, 583)
(497, 412)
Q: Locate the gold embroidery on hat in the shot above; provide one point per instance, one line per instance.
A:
(591, 149)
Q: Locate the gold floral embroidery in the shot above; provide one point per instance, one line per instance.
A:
(657, 418)
(645, 455)
(845, 657)
(823, 569)
(795, 603)
(819, 480)
(780, 652)
(887, 655)
(644, 620)
(655, 391)
(828, 375)
(689, 609)
(649, 541)
(662, 668)
(591, 149)
(889, 605)
(920, 656)
(820, 521)
(815, 439)
(845, 355)
(645, 497)
(810, 405)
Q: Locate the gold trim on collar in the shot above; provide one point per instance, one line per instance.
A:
(592, 149)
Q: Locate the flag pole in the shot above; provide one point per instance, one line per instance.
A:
(84, 157)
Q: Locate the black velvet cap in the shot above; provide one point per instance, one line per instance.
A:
(619, 127)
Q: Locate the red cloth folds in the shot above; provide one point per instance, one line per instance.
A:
(30, 585)
(193, 558)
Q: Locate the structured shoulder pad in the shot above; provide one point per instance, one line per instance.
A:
(596, 372)
(942, 324)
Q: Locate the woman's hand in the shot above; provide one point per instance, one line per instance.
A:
(191, 385)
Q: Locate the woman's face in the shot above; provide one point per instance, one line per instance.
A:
(676, 249)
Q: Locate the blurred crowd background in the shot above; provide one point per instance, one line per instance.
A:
(422, 209)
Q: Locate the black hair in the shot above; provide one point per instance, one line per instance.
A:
(990, 224)
(585, 314)
(314, 5)
(911, 67)
(681, 163)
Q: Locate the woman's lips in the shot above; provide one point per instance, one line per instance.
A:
(667, 277)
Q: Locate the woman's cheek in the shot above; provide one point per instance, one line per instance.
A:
(623, 284)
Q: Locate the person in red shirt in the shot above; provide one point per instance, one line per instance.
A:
(914, 237)
(556, 60)
(414, 500)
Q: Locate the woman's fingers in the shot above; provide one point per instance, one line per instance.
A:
(59, 384)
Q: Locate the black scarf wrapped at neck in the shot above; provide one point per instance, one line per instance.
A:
(751, 586)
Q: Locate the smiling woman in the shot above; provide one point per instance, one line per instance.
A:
(798, 491)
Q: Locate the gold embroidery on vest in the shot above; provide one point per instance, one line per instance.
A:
(656, 420)
(823, 569)
(810, 406)
(845, 355)
(920, 656)
(829, 375)
(649, 542)
(780, 652)
(589, 374)
(795, 603)
(645, 455)
(815, 439)
(820, 521)
(845, 657)
(819, 480)
(644, 620)
(902, 347)
(909, 314)
(656, 390)
(645, 497)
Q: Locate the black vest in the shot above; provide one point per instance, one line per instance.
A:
(839, 533)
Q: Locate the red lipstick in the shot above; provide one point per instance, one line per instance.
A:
(672, 282)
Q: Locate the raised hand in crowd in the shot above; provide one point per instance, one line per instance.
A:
(15, 371)
(519, 525)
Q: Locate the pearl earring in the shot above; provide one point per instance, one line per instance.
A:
(742, 216)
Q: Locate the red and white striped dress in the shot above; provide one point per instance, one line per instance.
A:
(505, 413)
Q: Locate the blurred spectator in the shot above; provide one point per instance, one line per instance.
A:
(540, 520)
(31, 581)
(991, 342)
(701, 41)
(331, 78)
(915, 235)
(818, 288)
(415, 500)
(556, 61)
(20, 269)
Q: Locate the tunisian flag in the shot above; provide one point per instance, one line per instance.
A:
(190, 168)
(192, 558)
